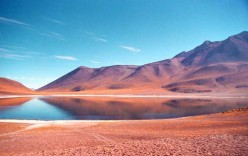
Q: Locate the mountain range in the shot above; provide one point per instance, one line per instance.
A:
(210, 67)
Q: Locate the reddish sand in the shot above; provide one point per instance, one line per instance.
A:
(217, 134)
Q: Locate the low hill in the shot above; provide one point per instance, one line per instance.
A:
(8, 86)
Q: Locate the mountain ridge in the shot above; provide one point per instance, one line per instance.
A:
(208, 60)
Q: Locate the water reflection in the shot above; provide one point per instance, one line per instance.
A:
(141, 108)
(32, 109)
(89, 108)
(13, 101)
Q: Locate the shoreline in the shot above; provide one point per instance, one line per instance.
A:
(121, 96)
(61, 121)
(90, 121)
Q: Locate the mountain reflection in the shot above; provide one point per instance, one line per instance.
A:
(13, 101)
(140, 108)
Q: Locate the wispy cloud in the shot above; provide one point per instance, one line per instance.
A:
(10, 54)
(53, 35)
(53, 20)
(32, 78)
(13, 21)
(70, 58)
(4, 50)
(89, 33)
(96, 37)
(13, 47)
(14, 56)
(100, 39)
(32, 52)
(131, 49)
(96, 62)
(16, 52)
(30, 27)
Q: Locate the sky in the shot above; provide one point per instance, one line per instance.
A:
(41, 40)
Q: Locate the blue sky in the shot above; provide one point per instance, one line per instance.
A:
(41, 40)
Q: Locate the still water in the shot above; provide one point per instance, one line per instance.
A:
(89, 108)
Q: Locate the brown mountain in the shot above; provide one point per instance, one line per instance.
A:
(212, 66)
(8, 86)
(232, 49)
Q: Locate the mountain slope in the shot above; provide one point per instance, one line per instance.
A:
(211, 66)
(84, 78)
(8, 86)
(233, 49)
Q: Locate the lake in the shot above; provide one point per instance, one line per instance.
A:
(99, 108)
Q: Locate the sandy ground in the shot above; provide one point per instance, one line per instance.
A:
(216, 134)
